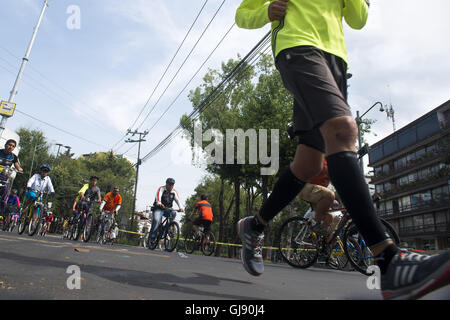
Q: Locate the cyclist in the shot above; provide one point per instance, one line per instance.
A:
(205, 216)
(48, 221)
(310, 53)
(12, 202)
(39, 183)
(12, 206)
(163, 205)
(91, 192)
(7, 159)
(111, 203)
(321, 198)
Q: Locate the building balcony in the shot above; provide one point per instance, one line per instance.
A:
(418, 208)
(440, 177)
(425, 160)
(424, 230)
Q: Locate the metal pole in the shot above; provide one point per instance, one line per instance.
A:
(136, 182)
(22, 67)
(358, 122)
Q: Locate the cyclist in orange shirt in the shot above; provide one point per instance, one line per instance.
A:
(321, 198)
(111, 202)
(205, 216)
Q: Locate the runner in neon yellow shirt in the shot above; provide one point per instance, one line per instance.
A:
(314, 23)
(310, 53)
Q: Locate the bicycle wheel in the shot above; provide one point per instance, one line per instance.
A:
(153, 242)
(88, 228)
(338, 259)
(106, 231)
(356, 249)
(100, 234)
(35, 222)
(298, 246)
(6, 222)
(172, 236)
(209, 247)
(190, 242)
(22, 222)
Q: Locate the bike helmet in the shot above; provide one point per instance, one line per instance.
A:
(45, 167)
(14, 191)
(170, 181)
(94, 177)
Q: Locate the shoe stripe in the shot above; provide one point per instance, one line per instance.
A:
(397, 275)
(412, 272)
(403, 276)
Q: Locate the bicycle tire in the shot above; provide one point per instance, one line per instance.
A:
(299, 254)
(32, 231)
(87, 232)
(190, 242)
(211, 245)
(5, 225)
(363, 258)
(172, 236)
(152, 243)
(23, 220)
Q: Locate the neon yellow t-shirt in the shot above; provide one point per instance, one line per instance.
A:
(316, 23)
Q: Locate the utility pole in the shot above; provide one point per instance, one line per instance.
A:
(59, 147)
(141, 139)
(22, 67)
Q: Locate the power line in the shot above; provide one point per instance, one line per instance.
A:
(62, 130)
(165, 71)
(195, 45)
(240, 67)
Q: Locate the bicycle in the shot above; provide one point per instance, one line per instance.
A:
(105, 229)
(169, 230)
(300, 245)
(32, 215)
(82, 223)
(10, 217)
(205, 241)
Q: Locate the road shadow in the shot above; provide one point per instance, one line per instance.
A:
(162, 281)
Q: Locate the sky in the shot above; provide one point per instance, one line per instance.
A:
(90, 75)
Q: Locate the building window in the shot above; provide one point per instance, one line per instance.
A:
(378, 171)
(389, 207)
(428, 222)
(385, 169)
(400, 163)
(379, 188)
(387, 186)
(420, 153)
(428, 244)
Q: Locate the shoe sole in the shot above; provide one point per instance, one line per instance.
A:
(435, 281)
(239, 227)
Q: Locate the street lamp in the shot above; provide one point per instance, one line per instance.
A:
(358, 122)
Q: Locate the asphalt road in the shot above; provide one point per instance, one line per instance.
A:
(37, 268)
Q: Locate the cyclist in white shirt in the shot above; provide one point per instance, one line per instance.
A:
(39, 183)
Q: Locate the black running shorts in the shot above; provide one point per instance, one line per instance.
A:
(318, 81)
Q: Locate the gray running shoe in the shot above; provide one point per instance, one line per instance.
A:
(412, 275)
(251, 253)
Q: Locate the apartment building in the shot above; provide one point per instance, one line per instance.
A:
(412, 176)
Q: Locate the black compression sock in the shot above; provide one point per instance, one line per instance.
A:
(385, 257)
(349, 181)
(285, 190)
